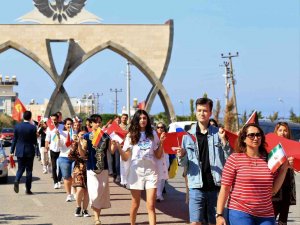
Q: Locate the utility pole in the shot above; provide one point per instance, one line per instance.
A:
(116, 101)
(227, 84)
(97, 102)
(128, 87)
(229, 56)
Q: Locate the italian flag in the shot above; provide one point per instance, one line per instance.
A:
(276, 158)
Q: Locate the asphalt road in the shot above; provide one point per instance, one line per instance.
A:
(47, 206)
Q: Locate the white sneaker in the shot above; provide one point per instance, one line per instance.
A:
(73, 197)
(56, 186)
(59, 185)
(45, 170)
(69, 198)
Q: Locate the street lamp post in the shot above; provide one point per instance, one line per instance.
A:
(128, 88)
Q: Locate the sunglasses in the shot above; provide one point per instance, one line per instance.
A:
(253, 135)
(160, 127)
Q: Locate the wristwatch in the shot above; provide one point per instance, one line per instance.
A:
(218, 214)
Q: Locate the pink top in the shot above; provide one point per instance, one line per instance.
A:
(251, 181)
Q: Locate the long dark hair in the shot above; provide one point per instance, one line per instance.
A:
(134, 128)
(241, 145)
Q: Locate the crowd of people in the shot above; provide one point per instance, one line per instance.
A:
(218, 178)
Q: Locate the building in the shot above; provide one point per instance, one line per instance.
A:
(7, 95)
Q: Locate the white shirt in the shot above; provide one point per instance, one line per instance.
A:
(64, 150)
(144, 149)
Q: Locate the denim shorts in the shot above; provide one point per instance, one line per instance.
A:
(238, 217)
(65, 166)
(197, 202)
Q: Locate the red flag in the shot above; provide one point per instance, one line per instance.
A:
(68, 141)
(115, 128)
(173, 139)
(50, 124)
(12, 161)
(142, 105)
(97, 136)
(253, 118)
(232, 138)
(18, 110)
(290, 147)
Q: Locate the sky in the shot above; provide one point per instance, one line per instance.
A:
(265, 33)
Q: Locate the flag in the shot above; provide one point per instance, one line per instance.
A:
(18, 110)
(173, 140)
(232, 138)
(68, 140)
(253, 118)
(97, 136)
(290, 147)
(142, 105)
(115, 130)
(54, 138)
(12, 161)
(50, 124)
(173, 168)
(276, 158)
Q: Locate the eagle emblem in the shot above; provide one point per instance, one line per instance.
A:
(59, 10)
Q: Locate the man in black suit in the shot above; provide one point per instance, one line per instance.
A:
(25, 140)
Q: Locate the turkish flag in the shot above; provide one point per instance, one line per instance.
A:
(50, 124)
(291, 148)
(173, 140)
(68, 141)
(253, 118)
(116, 129)
(18, 110)
(232, 138)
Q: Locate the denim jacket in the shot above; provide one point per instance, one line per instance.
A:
(218, 153)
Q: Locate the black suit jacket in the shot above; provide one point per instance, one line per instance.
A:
(25, 139)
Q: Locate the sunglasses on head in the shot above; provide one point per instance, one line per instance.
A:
(253, 135)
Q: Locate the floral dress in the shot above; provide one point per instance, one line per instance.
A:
(79, 171)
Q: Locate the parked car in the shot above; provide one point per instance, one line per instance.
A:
(6, 136)
(185, 125)
(3, 165)
(268, 127)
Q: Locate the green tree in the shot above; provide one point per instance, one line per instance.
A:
(273, 117)
(192, 108)
(293, 117)
(161, 117)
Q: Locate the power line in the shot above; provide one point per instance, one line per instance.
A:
(116, 101)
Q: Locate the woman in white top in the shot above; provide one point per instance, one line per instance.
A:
(63, 162)
(142, 147)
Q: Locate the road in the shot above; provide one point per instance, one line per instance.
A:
(48, 207)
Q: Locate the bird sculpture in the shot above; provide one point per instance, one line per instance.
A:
(60, 9)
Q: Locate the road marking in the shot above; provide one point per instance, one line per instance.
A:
(37, 202)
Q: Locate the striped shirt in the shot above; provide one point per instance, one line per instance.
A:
(251, 181)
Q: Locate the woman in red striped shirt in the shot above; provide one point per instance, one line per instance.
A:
(247, 182)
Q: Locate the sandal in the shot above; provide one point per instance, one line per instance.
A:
(97, 222)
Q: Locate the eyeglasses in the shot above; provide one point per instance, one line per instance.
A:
(251, 136)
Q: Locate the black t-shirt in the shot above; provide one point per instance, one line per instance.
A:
(42, 133)
(207, 178)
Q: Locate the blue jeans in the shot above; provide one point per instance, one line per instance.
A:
(197, 202)
(238, 217)
(65, 166)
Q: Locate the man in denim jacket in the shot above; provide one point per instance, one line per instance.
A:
(203, 153)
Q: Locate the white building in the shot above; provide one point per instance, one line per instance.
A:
(7, 95)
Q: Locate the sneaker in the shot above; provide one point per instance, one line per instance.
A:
(78, 212)
(72, 198)
(56, 186)
(69, 198)
(45, 170)
(59, 184)
(85, 213)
